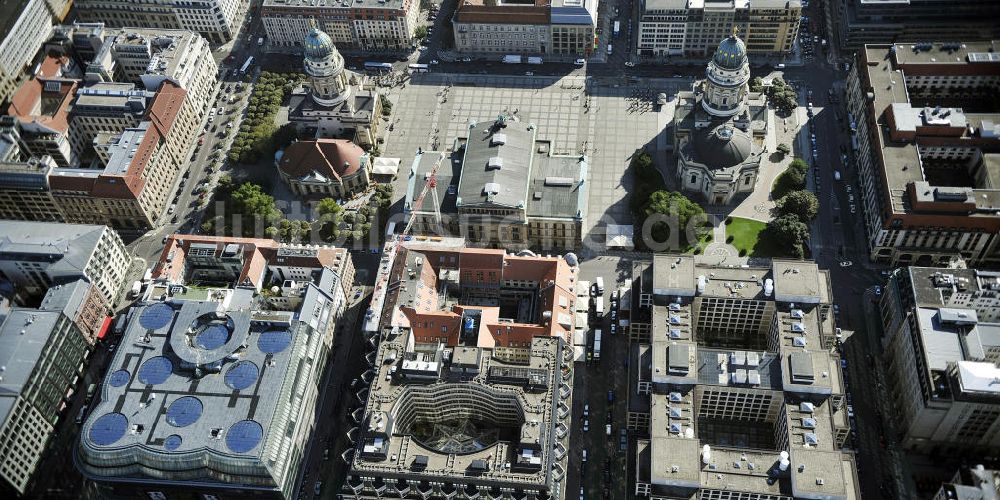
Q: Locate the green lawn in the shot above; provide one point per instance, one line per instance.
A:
(703, 242)
(746, 237)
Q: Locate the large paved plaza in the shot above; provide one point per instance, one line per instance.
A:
(608, 118)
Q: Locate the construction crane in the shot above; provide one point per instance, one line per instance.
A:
(430, 184)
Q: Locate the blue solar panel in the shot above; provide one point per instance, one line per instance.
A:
(120, 378)
(242, 375)
(184, 411)
(172, 442)
(156, 316)
(155, 370)
(244, 436)
(274, 341)
(212, 337)
(108, 429)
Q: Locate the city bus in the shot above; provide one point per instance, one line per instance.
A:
(377, 66)
(246, 65)
(420, 68)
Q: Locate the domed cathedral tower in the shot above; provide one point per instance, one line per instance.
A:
(726, 84)
(329, 82)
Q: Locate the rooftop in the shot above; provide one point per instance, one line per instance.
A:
(66, 248)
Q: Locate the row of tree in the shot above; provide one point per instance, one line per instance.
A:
(258, 135)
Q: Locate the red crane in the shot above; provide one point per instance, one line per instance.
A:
(429, 185)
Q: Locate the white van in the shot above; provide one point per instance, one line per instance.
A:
(609, 49)
(584, 456)
(836, 175)
(599, 284)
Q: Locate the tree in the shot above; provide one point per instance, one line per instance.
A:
(792, 179)
(250, 200)
(328, 206)
(784, 149)
(802, 204)
(645, 171)
(420, 32)
(756, 84)
(386, 104)
(671, 204)
(788, 232)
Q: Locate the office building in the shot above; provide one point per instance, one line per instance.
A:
(41, 106)
(325, 168)
(354, 24)
(469, 397)
(503, 187)
(214, 386)
(334, 102)
(719, 128)
(537, 27)
(218, 21)
(941, 332)
(26, 25)
(735, 385)
(971, 483)
(105, 107)
(927, 142)
(36, 256)
(42, 352)
(690, 28)
(856, 23)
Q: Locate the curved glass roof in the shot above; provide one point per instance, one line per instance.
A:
(108, 429)
(184, 411)
(155, 370)
(244, 436)
(119, 378)
(212, 337)
(156, 316)
(274, 341)
(242, 375)
(172, 442)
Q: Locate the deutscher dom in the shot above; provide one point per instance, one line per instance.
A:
(719, 128)
(334, 102)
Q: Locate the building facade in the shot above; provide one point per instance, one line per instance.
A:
(25, 28)
(940, 331)
(334, 103)
(719, 128)
(858, 23)
(924, 134)
(564, 27)
(42, 351)
(36, 256)
(216, 20)
(735, 387)
(386, 25)
(325, 168)
(105, 107)
(504, 188)
(690, 28)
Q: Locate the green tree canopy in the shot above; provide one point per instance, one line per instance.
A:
(250, 200)
(328, 206)
(756, 84)
(671, 203)
(802, 204)
(787, 231)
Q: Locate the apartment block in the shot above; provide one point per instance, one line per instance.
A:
(941, 332)
(469, 397)
(217, 20)
(41, 106)
(925, 135)
(42, 352)
(691, 28)
(504, 188)
(856, 23)
(735, 388)
(559, 27)
(25, 25)
(354, 24)
(36, 256)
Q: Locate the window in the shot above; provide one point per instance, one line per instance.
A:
(694, 178)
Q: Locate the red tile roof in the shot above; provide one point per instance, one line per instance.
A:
(332, 158)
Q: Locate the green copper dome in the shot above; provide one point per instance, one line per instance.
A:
(731, 54)
(318, 44)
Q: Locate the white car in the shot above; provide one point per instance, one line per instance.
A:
(580, 62)
(529, 73)
(435, 61)
(466, 59)
(422, 48)
(846, 263)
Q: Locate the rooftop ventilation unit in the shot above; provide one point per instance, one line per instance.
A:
(498, 140)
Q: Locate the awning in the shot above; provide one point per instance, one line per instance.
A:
(619, 236)
(385, 166)
(105, 327)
